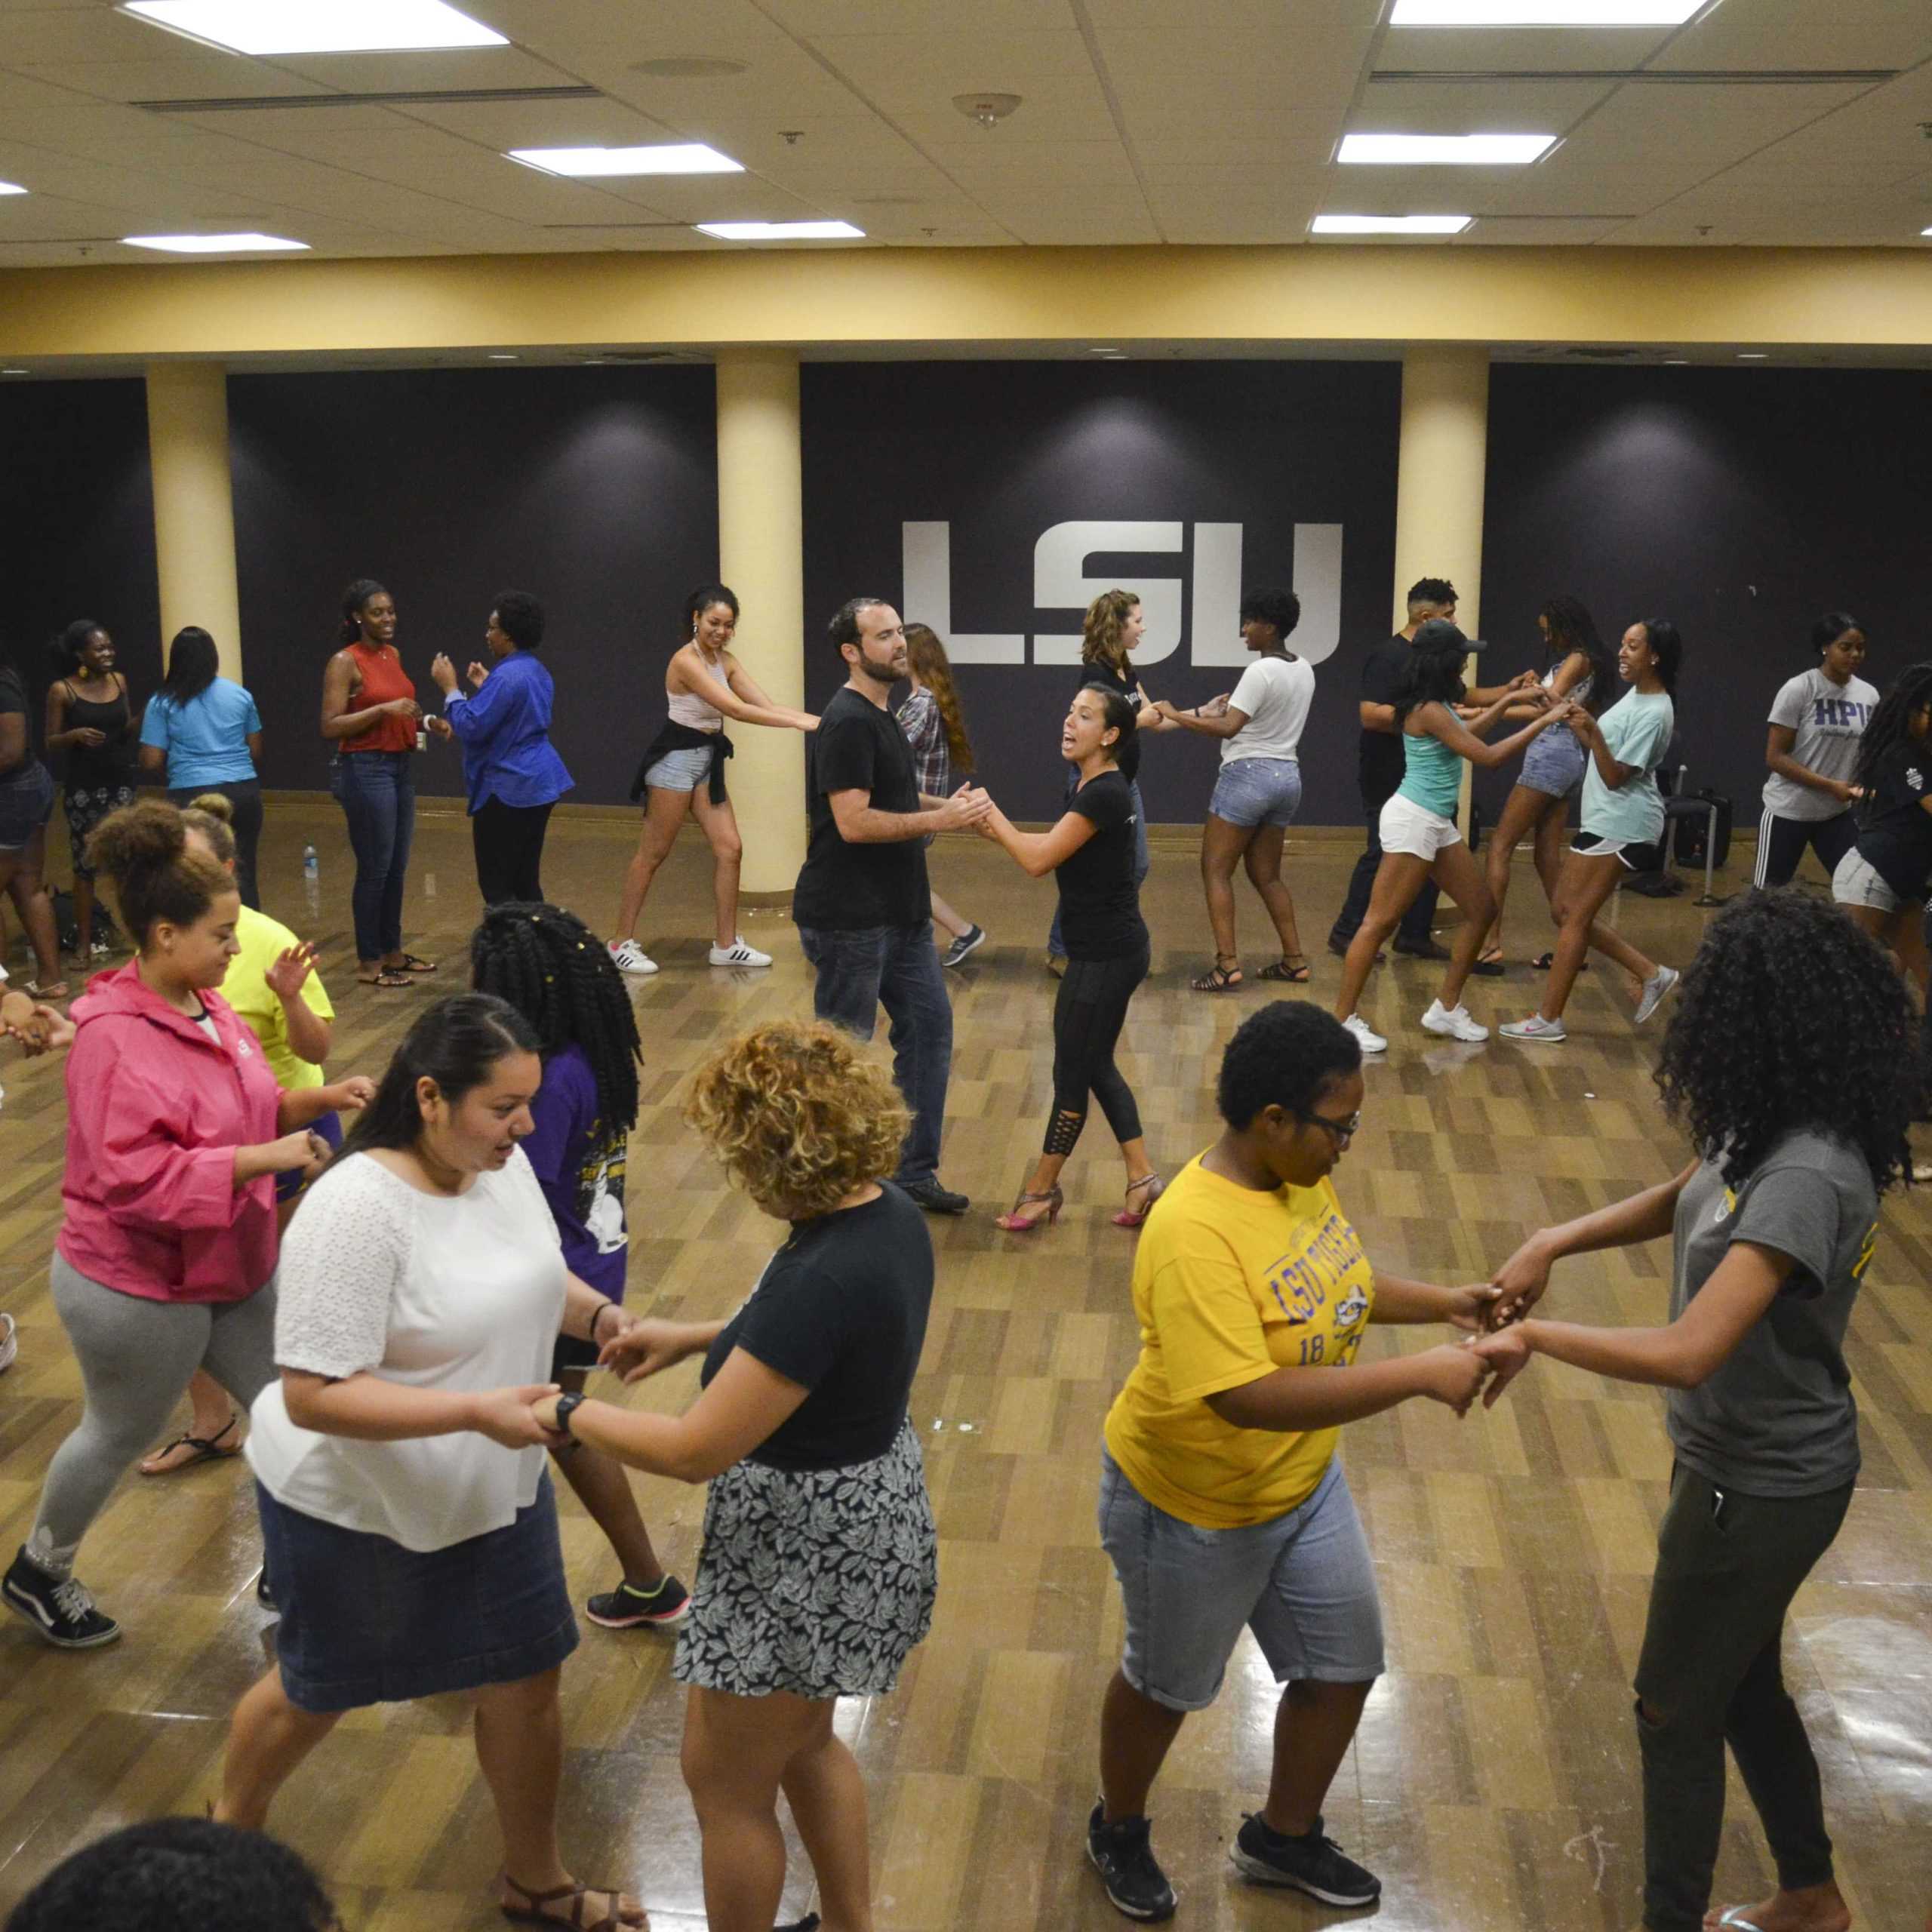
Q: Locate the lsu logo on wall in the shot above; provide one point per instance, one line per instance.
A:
(1209, 615)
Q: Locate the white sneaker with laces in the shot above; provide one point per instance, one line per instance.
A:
(629, 957)
(739, 954)
(1366, 1036)
(1549, 1033)
(1655, 987)
(1455, 1022)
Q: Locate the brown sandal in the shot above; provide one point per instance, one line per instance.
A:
(1296, 975)
(389, 975)
(409, 962)
(575, 1898)
(1221, 980)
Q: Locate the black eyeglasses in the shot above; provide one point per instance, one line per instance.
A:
(1339, 1131)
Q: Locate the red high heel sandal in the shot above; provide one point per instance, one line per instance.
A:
(1131, 1217)
(1015, 1222)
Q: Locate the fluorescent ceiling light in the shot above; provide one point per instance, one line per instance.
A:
(781, 231)
(13, 372)
(1391, 224)
(667, 157)
(11, 188)
(317, 26)
(1543, 12)
(1753, 355)
(501, 355)
(1444, 150)
(1925, 231)
(211, 244)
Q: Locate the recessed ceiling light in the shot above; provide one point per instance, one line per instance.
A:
(501, 355)
(1391, 224)
(1444, 150)
(211, 244)
(1677, 361)
(1925, 231)
(11, 188)
(1097, 349)
(696, 67)
(781, 231)
(1753, 355)
(317, 26)
(1543, 12)
(666, 157)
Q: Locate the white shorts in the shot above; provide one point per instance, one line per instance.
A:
(1406, 826)
(1855, 883)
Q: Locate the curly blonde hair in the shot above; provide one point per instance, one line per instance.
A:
(1100, 639)
(799, 1115)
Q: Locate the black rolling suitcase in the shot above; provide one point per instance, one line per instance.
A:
(1690, 829)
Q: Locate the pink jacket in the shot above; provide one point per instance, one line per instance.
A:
(154, 1111)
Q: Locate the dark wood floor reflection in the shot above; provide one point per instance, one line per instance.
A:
(1494, 1783)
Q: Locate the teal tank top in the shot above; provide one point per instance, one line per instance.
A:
(1431, 774)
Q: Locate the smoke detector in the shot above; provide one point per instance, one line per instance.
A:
(988, 110)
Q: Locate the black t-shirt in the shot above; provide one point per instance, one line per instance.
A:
(14, 697)
(859, 747)
(1895, 831)
(841, 1309)
(1100, 905)
(1128, 683)
(1379, 766)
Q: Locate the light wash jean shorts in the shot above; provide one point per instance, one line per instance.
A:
(1408, 827)
(1554, 762)
(1303, 1583)
(1855, 883)
(1257, 791)
(681, 772)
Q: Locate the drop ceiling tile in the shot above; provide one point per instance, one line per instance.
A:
(188, 79)
(1580, 192)
(819, 19)
(545, 24)
(503, 124)
(1706, 127)
(1546, 232)
(455, 67)
(1063, 165)
(1476, 107)
(1803, 33)
(1518, 50)
(96, 32)
(324, 132)
(690, 199)
(781, 82)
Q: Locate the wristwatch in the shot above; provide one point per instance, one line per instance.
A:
(567, 1407)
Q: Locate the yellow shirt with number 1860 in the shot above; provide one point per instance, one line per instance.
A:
(1230, 1283)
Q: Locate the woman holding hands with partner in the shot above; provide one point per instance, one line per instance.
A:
(683, 772)
(1259, 792)
(1622, 821)
(820, 1562)
(399, 1470)
(1091, 854)
(1222, 1504)
(1796, 1131)
(1419, 840)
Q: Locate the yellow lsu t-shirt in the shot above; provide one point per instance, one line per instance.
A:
(263, 941)
(1230, 1285)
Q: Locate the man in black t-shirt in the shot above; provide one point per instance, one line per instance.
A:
(861, 905)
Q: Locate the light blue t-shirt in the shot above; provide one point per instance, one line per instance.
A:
(1636, 729)
(1432, 773)
(207, 739)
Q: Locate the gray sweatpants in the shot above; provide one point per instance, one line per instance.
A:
(136, 1358)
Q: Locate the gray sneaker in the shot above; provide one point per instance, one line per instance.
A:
(970, 941)
(1655, 987)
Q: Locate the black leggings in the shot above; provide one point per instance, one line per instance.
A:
(245, 795)
(508, 843)
(1088, 1014)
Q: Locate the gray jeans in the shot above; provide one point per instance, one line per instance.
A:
(135, 1357)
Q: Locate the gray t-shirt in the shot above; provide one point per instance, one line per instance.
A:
(1777, 1418)
(1829, 719)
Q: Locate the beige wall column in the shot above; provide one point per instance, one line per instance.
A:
(194, 504)
(760, 554)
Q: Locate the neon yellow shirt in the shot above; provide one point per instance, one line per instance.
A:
(263, 941)
(1229, 1284)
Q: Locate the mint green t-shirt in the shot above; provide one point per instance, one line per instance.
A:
(1431, 774)
(1636, 729)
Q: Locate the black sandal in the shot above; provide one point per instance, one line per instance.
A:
(1490, 964)
(1543, 962)
(1280, 969)
(1221, 979)
(389, 975)
(206, 1448)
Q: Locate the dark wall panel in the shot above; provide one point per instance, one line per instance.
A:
(933, 484)
(78, 518)
(1742, 503)
(595, 488)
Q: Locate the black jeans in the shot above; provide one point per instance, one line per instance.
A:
(1710, 1674)
(895, 967)
(1089, 1012)
(245, 795)
(377, 790)
(508, 843)
(1414, 931)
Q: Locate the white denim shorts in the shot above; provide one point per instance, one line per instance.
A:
(1855, 883)
(1408, 827)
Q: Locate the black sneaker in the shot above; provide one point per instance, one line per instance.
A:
(626, 1606)
(1429, 949)
(935, 1199)
(1315, 1864)
(57, 1607)
(1124, 1858)
(970, 940)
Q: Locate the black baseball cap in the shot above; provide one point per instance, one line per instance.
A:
(1439, 633)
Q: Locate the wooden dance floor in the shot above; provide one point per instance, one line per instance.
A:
(1494, 1784)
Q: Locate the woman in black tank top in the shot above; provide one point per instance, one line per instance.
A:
(91, 718)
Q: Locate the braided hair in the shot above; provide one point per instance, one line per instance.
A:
(548, 964)
(1891, 723)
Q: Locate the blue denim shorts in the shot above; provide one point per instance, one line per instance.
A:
(1554, 762)
(1303, 1583)
(1257, 791)
(681, 772)
(26, 803)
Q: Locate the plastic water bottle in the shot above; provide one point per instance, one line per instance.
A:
(312, 867)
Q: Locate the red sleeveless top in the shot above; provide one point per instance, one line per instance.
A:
(382, 678)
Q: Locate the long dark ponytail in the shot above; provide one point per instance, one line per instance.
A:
(455, 1043)
(1572, 629)
(192, 664)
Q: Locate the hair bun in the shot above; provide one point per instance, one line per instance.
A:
(217, 805)
(137, 837)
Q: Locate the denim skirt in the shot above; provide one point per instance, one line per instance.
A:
(365, 1621)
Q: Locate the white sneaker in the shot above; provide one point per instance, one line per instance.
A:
(1549, 1031)
(629, 957)
(1455, 1024)
(1366, 1036)
(1655, 987)
(739, 954)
